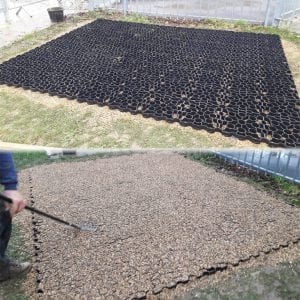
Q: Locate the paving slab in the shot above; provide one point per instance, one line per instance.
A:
(161, 218)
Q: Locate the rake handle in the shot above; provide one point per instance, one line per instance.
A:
(39, 212)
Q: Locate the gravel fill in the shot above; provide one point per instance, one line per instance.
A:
(161, 218)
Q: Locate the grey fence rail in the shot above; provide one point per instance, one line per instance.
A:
(4, 9)
(286, 10)
(282, 163)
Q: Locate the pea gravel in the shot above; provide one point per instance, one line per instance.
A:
(161, 218)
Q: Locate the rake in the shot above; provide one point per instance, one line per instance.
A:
(54, 218)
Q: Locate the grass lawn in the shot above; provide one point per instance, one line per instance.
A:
(12, 289)
(39, 119)
(28, 159)
(276, 282)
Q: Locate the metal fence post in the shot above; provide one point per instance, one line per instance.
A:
(252, 158)
(5, 10)
(266, 22)
(91, 5)
(288, 163)
(245, 158)
(297, 168)
(268, 163)
(125, 7)
(260, 157)
(278, 161)
(278, 12)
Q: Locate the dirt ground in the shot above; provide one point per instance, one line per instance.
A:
(164, 224)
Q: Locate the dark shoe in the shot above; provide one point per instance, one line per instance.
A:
(14, 269)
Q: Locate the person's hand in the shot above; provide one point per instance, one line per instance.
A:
(18, 202)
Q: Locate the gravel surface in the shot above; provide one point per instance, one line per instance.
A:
(162, 219)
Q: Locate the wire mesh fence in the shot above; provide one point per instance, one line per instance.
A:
(287, 15)
(282, 163)
(68, 5)
(289, 6)
(4, 9)
(20, 17)
(252, 11)
(267, 12)
(11, 7)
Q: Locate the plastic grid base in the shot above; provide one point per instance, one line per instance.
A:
(236, 83)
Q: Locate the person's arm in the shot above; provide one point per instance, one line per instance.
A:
(8, 174)
(9, 179)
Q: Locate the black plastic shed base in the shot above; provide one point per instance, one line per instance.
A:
(236, 83)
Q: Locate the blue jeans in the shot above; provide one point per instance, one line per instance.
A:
(5, 232)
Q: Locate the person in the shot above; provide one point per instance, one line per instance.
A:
(9, 268)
